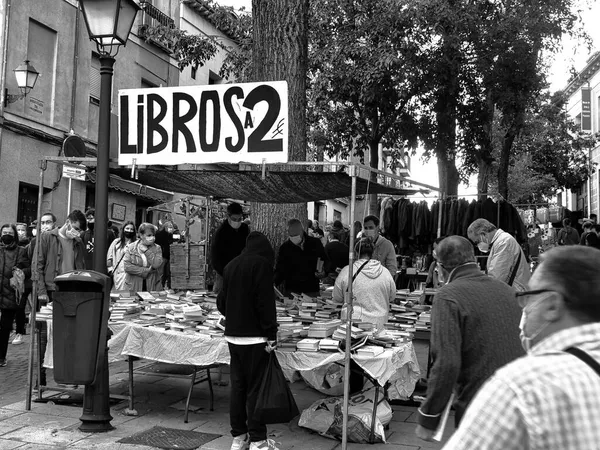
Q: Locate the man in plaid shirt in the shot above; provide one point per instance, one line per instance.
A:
(549, 399)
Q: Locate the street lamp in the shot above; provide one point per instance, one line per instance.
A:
(109, 23)
(26, 76)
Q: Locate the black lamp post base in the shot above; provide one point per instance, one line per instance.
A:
(96, 424)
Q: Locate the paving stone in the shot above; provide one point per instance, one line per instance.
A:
(379, 447)
(401, 416)
(9, 445)
(85, 445)
(222, 443)
(218, 423)
(41, 421)
(6, 413)
(25, 446)
(8, 428)
(45, 436)
(404, 433)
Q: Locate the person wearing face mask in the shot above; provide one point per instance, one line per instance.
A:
(549, 399)
(143, 262)
(296, 268)
(228, 243)
(384, 250)
(20, 317)
(60, 251)
(506, 261)
(164, 238)
(12, 258)
(88, 238)
(116, 254)
(474, 332)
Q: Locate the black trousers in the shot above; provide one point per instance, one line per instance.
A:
(248, 364)
(7, 316)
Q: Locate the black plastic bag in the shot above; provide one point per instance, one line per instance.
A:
(275, 403)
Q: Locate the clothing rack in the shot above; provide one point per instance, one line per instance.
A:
(495, 197)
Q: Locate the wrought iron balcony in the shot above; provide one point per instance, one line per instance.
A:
(153, 17)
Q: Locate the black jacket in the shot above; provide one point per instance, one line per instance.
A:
(296, 266)
(337, 256)
(11, 257)
(247, 299)
(227, 244)
(164, 239)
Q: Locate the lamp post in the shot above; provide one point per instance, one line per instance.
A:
(109, 23)
(26, 76)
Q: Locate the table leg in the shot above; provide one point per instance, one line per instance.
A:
(210, 387)
(131, 410)
(374, 416)
(189, 397)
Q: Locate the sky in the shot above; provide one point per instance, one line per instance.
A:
(573, 53)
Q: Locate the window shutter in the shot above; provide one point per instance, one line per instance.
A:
(95, 78)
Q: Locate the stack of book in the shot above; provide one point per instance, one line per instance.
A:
(424, 321)
(45, 313)
(308, 345)
(324, 329)
(329, 345)
(370, 350)
(355, 333)
(308, 309)
(124, 306)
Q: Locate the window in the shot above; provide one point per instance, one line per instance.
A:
(213, 78)
(337, 215)
(148, 84)
(194, 71)
(41, 51)
(95, 79)
(28, 199)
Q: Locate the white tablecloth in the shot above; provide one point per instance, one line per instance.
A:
(397, 366)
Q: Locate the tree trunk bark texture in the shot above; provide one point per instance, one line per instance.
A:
(504, 164)
(280, 52)
(374, 163)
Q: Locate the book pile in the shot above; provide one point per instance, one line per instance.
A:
(308, 308)
(288, 344)
(424, 321)
(124, 305)
(355, 333)
(324, 329)
(370, 351)
(329, 345)
(213, 326)
(308, 345)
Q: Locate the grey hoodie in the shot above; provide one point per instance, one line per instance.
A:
(385, 253)
(373, 290)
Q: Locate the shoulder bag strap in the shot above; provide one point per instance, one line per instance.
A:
(358, 271)
(585, 357)
(513, 275)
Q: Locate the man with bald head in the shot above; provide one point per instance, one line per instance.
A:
(549, 399)
(474, 332)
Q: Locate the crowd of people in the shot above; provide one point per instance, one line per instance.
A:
(135, 260)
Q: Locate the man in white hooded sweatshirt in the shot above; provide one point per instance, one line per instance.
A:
(373, 287)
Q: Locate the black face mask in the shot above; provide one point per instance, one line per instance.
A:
(129, 234)
(90, 226)
(7, 239)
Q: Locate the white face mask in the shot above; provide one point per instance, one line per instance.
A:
(34, 232)
(148, 240)
(527, 341)
(483, 247)
(296, 239)
(71, 233)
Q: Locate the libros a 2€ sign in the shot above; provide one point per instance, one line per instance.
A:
(227, 123)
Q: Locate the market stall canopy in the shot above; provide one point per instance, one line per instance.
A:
(278, 186)
(131, 187)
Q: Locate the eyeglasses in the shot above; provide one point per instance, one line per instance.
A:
(522, 297)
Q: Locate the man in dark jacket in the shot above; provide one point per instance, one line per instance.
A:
(60, 250)
(247, 300)
(87, 237)
(297, 261)
(568, 235)
(475, 331)
(228, 243)
(337, 253)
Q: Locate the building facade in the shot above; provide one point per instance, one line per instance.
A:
(583, 105)
(65, 100)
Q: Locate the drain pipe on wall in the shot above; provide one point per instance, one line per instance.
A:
(75, 68)
(3, 62)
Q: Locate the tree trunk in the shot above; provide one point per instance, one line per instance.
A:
(374, 164)
(448, 174)
(504, 164)
(484, 156)
(484, 168)
(280, 52)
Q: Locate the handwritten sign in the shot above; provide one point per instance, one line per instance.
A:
(227, 123)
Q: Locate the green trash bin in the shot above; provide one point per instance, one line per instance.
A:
(79, 325)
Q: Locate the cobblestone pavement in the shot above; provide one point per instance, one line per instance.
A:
(13, 377)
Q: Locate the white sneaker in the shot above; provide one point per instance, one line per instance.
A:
(18, 340)
(269, 444)
(240, 442)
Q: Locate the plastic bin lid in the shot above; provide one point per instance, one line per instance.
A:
(87, 276)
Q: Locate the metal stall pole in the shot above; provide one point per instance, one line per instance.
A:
(440, 213)
(34, 292)
(349, 316)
